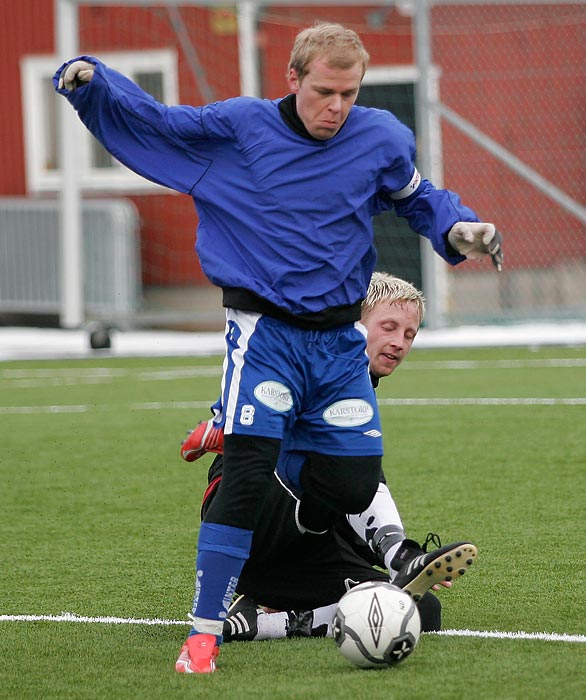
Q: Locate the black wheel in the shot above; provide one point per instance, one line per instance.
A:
(100, 339)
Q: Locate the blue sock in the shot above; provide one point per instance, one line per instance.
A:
(221, 553)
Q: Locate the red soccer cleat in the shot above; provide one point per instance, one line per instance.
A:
(198, 654)
(206, 437)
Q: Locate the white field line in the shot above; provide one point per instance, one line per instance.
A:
(110, 620)
(481, 401)
(556, 363)
(111, 372)
(158, 405)
(106, 620)
(6, 410)
(68, 376)
(181, 405)
(541, 636)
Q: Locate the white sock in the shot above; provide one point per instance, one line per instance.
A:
(324, 616)
(272, 625)
(200, 624)
(389, 555)
(275, 625)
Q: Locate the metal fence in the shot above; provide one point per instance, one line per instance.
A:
(30, 263)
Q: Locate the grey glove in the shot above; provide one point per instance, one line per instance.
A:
(475, 240)
(75, 75)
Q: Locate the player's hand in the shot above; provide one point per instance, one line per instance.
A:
(75, 75)
(475, 240)
(445, 584)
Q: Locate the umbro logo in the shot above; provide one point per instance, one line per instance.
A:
(373, 433)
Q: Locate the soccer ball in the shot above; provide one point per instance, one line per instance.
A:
(376, 625)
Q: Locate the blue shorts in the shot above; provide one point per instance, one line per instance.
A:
(310, 388)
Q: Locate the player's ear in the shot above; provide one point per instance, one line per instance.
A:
(293, 80)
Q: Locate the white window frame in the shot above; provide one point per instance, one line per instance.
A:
(118, 178)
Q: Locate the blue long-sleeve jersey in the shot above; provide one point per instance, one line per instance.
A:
(284, 216)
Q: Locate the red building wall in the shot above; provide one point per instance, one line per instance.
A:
(26, 27)
(516, 82)
(503, 81)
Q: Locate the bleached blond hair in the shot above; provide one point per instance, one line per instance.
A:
(393, 290)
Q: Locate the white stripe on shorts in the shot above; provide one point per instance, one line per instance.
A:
(246, 322)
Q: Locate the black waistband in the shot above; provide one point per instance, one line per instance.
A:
(245, 300)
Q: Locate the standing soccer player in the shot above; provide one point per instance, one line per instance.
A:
(285, 192)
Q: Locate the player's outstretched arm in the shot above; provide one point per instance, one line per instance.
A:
(75, 75)
(475, 240)
(145, 135)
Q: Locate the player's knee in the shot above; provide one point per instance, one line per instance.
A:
(359, 496)
(359, 478)
(348, 484)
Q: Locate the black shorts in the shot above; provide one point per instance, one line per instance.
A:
(288, 570)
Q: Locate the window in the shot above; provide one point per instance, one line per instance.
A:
(394, 88)
(154, 71)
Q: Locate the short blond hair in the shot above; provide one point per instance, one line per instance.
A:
(342, 46)
(393, 290)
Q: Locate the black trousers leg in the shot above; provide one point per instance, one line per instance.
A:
(248, 467)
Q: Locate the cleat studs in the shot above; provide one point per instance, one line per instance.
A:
(449, 569)
(437, 564)
(448, 557)
(469, 562)
(429, 572)
(448, 578)
(458, 553)
(417, 598)
(461, 572)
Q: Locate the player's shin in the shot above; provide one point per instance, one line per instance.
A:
(380, 526)
(222, 551)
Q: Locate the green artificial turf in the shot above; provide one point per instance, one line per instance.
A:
(99, 518)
